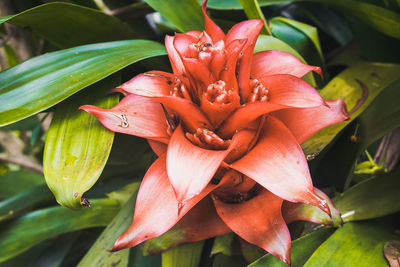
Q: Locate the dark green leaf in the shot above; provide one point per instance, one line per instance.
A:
(372, 198)
(24, 201)
(185, 15)
(16, 182)
(80, 25)
(44, 81)
(78, 145)
(30, 229)
(223, 244)
(302, 249)
(358, 243)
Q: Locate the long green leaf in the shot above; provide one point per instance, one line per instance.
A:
(66, 25)
(301, 250)
(354, 244)
(183, 255)
(77, 145)
(372, 198)
(98, 254)
(16, 182)
(39, 225)
(184, 15)
(376, 17)
(374, 77)
(253, 11)
(22, 202)
(44, 81)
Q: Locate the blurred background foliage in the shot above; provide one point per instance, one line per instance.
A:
(53, 59)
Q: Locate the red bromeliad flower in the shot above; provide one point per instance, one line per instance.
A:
(227, 126)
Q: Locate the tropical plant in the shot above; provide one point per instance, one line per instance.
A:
(222, 169)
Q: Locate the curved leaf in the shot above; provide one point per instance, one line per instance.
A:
(39, 225)
(44, 81)
(80, 25)
(77, 145)
(16, 182)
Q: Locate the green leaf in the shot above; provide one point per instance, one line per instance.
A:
(301, 250)
(185, 15)
(16, 182)
(253, 11)
(39, 225)
(98, 254)
(24, 201)
(44, 81)
(80, 25)
(374, 77)
(358, 243)
(372, 198)
(78, 145)
(183, 255)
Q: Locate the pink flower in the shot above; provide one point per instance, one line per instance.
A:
(227, 126)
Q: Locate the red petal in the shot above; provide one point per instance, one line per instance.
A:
(305, 122)
(134, 115)
(152, 83)
(291, 91)
(277, 163)
(174, 58)
(302, 212)
(158, 147)
(249, 29)
(259, 221)
(190, 168)
(201, 222)
(210, 27)
(275, 62)
(156, 209)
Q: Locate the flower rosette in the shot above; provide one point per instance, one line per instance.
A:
(227, 126)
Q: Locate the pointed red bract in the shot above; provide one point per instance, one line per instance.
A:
(157, 147)
(134, 115)
(268, 63)
(174, 58)
(278, 164)
(152, 83)
(305, 122)
(258, 221)
(288, 90)
(190, 168)
(210, 27)
(249, 30)
(156, 209)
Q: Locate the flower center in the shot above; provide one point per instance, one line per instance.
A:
(216, 93)
(207, 139)
(179, 90)
(258, 91)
